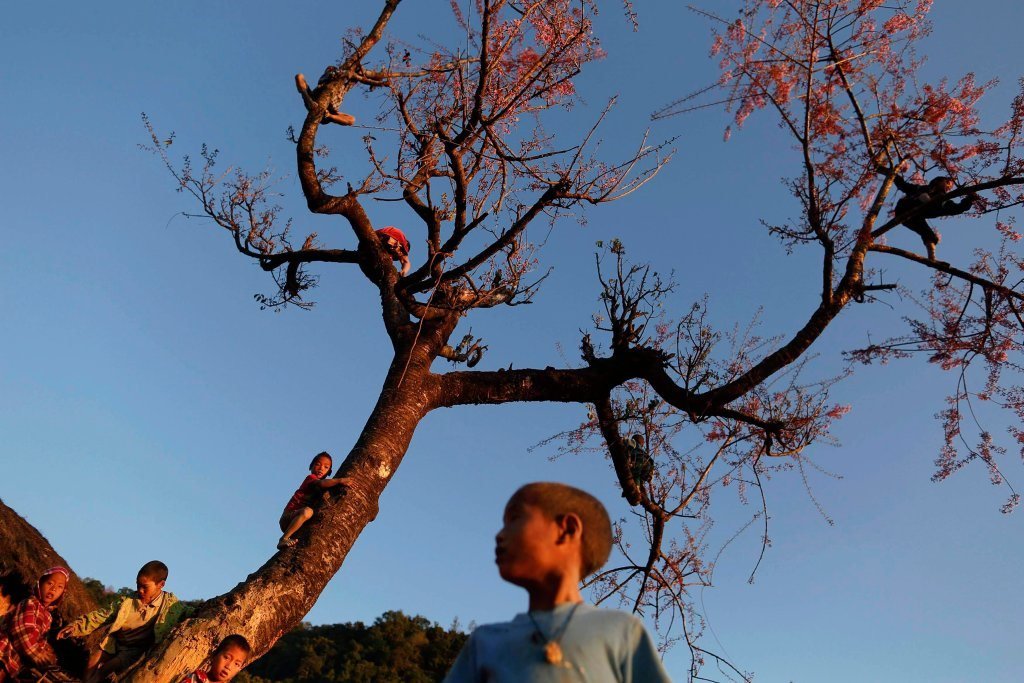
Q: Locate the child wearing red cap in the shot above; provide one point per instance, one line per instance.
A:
(396, 244)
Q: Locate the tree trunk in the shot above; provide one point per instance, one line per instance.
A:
(277, 596)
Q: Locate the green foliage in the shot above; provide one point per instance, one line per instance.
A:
(103, 595)
(395, 649)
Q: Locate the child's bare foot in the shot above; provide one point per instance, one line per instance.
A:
(300, 83)
(286, 543)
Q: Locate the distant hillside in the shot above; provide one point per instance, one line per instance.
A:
(395, 649)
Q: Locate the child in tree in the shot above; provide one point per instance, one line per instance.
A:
(136, 623)
(927, 202)
(300, 507)
(641, 464)
(23, 635)
(227, 660)
(397, 245)
(553, 536)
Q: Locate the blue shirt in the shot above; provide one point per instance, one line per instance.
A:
(598, 646)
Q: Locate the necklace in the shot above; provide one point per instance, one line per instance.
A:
(552, 650)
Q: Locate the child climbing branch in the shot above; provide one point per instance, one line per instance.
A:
(921, 202)
(301, 506)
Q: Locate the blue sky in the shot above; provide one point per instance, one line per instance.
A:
(150, 409)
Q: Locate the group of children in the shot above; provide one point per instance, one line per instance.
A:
(134, 624)
(553, 536)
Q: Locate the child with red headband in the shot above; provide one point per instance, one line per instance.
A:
(23, 637)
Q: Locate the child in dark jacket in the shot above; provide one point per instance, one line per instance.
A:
(926, 201)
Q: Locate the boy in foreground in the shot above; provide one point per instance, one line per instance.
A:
(226, 661)
(553, 536)
(136, 623)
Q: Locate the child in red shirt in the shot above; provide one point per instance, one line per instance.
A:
(299, 508)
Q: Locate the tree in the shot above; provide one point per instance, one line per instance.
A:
(477, 182)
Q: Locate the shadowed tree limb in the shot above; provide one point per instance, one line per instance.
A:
(943, 267)
(955, 194)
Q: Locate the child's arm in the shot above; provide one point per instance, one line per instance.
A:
(907, 187)
(330, 483)
(87, 623)
(963, 205)
(26, 635)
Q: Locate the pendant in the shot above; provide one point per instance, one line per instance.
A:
(553, 653)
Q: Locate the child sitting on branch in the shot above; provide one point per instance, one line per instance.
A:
(299, 508)
(641, 464)
(396, 244)
(927, 201)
